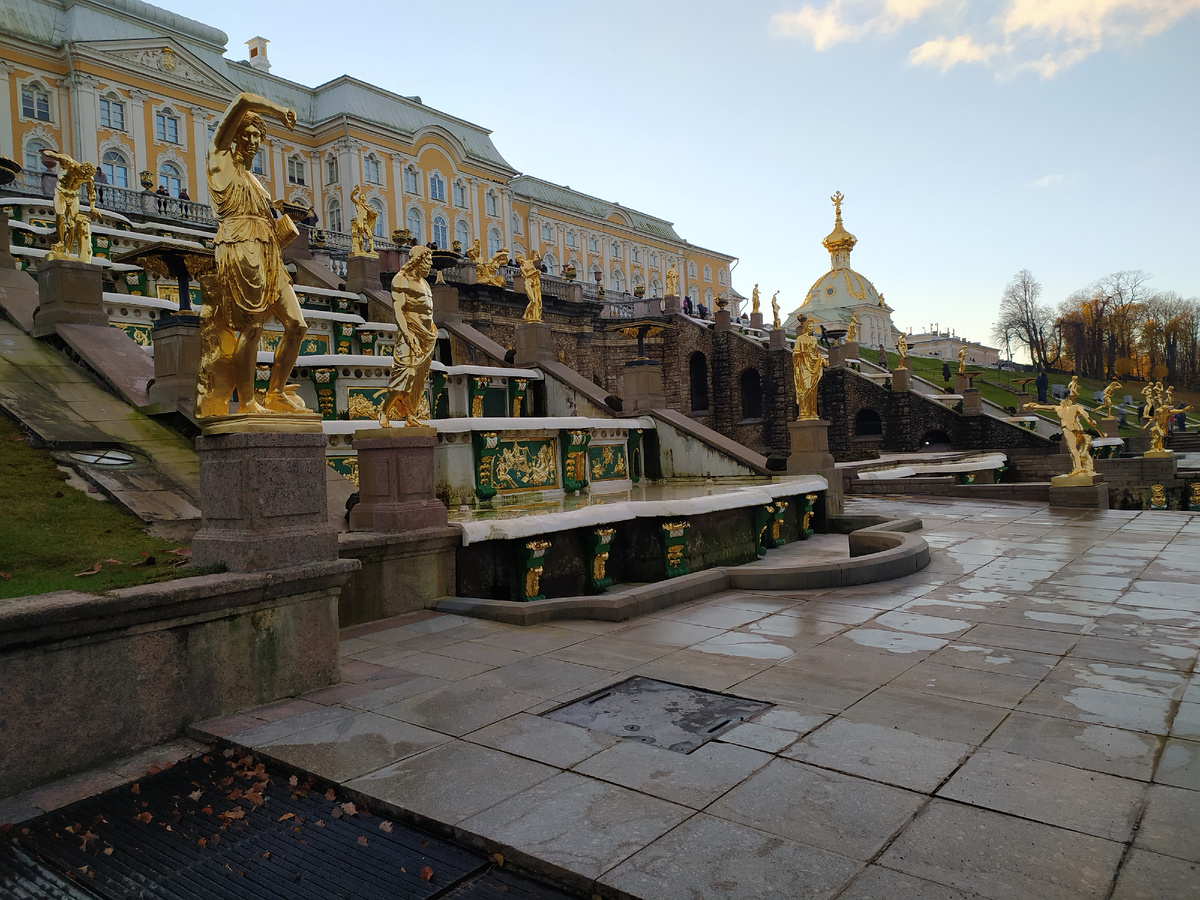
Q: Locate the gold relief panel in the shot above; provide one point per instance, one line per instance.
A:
(364, 403)
(141, 334)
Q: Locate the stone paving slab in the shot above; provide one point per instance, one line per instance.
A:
(1028, 756)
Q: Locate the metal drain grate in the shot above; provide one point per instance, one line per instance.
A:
(656, 712)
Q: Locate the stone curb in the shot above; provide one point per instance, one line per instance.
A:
(877, 553)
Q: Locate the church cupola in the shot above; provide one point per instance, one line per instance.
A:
(839, 242)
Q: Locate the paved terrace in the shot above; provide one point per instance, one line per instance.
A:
(1019, 720)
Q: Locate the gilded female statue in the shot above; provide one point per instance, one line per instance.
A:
(808, 364)
(754, 300)
(533, 285)
(672, 282)
(416, 335)
(902, 347)
(362, 226)
(775, 310)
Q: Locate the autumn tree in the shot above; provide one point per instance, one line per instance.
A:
(1023, 320)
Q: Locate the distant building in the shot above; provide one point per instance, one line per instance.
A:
(945, 345)
(841, 292)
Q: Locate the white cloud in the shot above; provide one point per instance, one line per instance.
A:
(1040, 36)
(1047, 181)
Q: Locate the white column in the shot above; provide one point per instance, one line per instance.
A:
(346, 179)
(279, 171)
(318, 180)
(84, 118)
(506, 211)
(6, 113)
(605, 260)
(398, 189)
(200, 119)
(137, 128)
(476, 200)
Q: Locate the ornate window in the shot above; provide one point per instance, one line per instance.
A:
(462, 233)
(459, 194)
(593, 246)
(380, 217)
(635, 255)
(550, 261)
(371, 170)
(616, 250)
(653, 260)
(169, 178)
(694, 295)
(547, 232)
(331, 169)
(116, 168)
(691, 269)
(259, 166)
(708, 299)
(618, 280)
(708, 273)
(722, 276)
(441, 236)
(437, 188)
(166, 127)
(494, 243)
(35, 101)
(333, 215)
(112, 114)
(571, 239)
(412, 184)
(295, 170)
(655, 287)
(34, 161)
(490, 204)
(413, 223)
(516, 224)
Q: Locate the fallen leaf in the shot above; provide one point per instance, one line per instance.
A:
(362, 840)
(108, 851)
(72, 829)
(202, 842)
(385, 826)
(266, 854)
(207, 810)
(228, 753)
(330, 795)
(254, 797)
(499, 858)
(320, 823)
(91, 571)
(144, 817)
(235, 794)
(336, 812)
(427, 874)
(293, 781)
(5, 576)
(86, 837)
(114, 562)
(195, 795)
(83, 869)
(349, 809)
(137, 787)
(236, 813)
(154, 770)
(286, 816)
(181, 551)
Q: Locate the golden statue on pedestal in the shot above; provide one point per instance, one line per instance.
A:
(74, 227)
(672, 282)
(416, 335)
(488, 271)
(808, 365)
(1073, 417)
(362, 226)
(775, 311)
(754, 300)
(1159, 410)
(852, 327)
(533, 285)
(902, 348)
(962, 360)
(250, 285)
(1106, 400)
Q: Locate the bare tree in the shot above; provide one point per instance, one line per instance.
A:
(1023, 320)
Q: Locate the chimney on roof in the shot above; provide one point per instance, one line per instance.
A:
(258, 54)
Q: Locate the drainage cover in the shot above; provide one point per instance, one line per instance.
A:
(655, 712)
(102, 457)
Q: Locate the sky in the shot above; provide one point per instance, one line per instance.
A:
(971, 139)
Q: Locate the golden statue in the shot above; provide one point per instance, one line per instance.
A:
(362, 226)
(1106, 400)
(250, 285)
(962, 360)
(1073, 417)
(533, 285)
(852, 328)
(672, 282)
(754, 300)
(416, 335)
(74, 228)
(902, 347)
(488, 271)
(775, 310)
(1159, 410)
(807, 363)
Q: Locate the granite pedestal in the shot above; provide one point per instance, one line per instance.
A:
(849, 351)
(961, 383)
(1108, 427)
(362, 274)
(176, 360)
(837, 356)
(972, 402)
(263, 501)
(1079, 491)
(671, 304)
(723, 320)
(901, 379)
(1023, 400)
(69, 292)
(776, 339)
(534, 344)
(810, 456)
(395, 480)
(756, 320)
(643, 386)
(445, 304)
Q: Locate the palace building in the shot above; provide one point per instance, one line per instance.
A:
(138, 91)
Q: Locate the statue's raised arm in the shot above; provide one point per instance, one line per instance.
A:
(233, 137)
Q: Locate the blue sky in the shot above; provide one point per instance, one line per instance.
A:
(971, 139)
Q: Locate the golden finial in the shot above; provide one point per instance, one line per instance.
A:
(837, 199)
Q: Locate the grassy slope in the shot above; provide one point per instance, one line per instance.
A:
(999, 386)
(50, 531)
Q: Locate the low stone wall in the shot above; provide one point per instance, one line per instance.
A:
(400, 572)
(91, 677)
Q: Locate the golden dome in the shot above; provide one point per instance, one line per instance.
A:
(839, 240)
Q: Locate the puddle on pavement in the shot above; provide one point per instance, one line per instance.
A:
(1056, 618)
(749, 646)
(922, 624)
(991, 655)
(1111, 742)
(894, 641)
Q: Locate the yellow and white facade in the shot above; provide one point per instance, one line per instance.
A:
(138, 91)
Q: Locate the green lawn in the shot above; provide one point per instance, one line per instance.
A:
(50, 531)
